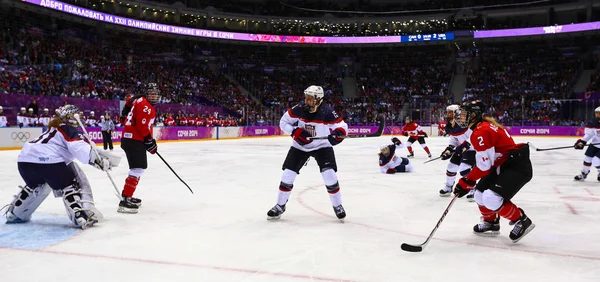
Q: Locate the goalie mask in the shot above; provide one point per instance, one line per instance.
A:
(313, 97)
(67, 113)
(153, 93)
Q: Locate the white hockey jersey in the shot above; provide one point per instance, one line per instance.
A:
(393, 160)
(592, 133)
(57, 145)
(3, 121)
(44, 119)
(320, 123)
(459, 135)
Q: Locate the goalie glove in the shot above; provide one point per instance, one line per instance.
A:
(579, 144)
(101, 163)
(446, 154)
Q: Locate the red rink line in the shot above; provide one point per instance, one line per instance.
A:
(589, 192)
(184, 264)
(301, 201)
(569, 206)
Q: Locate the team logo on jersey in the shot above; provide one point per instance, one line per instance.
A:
(20, 137)
(310, 129)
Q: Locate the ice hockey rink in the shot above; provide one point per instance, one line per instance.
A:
(220, 233)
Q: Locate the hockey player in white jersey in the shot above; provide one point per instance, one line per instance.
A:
(390, 162)
(308, 119)
(46, 164)
(459, 151)
(3, 120)
(592, 154)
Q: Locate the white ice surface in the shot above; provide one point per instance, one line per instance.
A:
(220, 233)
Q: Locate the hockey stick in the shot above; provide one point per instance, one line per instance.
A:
(557, 148)
(174, 172)
(419, 248)
(376, 134)
(76, 116)
(434, 159)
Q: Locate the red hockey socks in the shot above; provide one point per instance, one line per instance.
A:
(410, 151)
(509, 211)
(131, 183)
(427, 150)
(488, 215)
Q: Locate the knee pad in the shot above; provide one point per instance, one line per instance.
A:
(464, 169)
(288, 176)
(26, 202)
(329, 177)
(408, 144)
(423, 145)
(587, 160)
(478, 197)
(137, 172)
(405, 161)
(451, 168)
(492, 200)
(596, 162)
(86, 190)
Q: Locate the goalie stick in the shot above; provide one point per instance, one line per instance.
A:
(420, 247)
(376, 134)
(76, 116)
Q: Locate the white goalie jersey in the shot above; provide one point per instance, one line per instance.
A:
(57, 145)
(320, 123)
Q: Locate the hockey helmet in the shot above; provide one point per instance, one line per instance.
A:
(597, 110)
(469, 112)
(153, 93)
(451, 110)
(317, 93)
(67, 114)
(385, 150)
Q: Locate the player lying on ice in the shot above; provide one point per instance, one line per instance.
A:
(391, 163)
(46, 164)
(502, 168)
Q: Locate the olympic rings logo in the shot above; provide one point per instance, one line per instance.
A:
(20, 137)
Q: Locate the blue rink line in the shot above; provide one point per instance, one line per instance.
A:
(41, 231)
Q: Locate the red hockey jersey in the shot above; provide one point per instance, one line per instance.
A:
(140, 119)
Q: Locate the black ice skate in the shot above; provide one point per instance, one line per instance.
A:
(583, 176)
(522, 226)
(446, 191)
(134, 200)
(128, 206)
(340, 212)
(487, 228)
(275, 212)
(411, 156)
(84, 218)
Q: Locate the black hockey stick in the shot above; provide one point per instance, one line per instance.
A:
(174, 172)
(376, 134)
(434, 159)
(557, 148)
(419, 248)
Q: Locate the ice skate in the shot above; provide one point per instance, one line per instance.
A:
(522, 226)
(583, 176)
(446, 191)
(410, 156)
(275, 212)
(127, 206)
(340, 212)
(487, 228)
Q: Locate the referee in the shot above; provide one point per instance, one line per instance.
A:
(107, 128)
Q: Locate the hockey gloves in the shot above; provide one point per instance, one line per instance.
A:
(390, 171)
(396, 141)
(423, 134)
(301, 136)
(150, 144)
(334, 138)
(462, 148)
(463, 187)
(405, 133)
(446, 154)
(579, 144)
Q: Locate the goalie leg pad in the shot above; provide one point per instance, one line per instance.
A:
(26, 202)
(86, 191)
(76, 207)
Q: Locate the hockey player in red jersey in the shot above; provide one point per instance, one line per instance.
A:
(414, 133)
(503, 167)
(137, 139)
